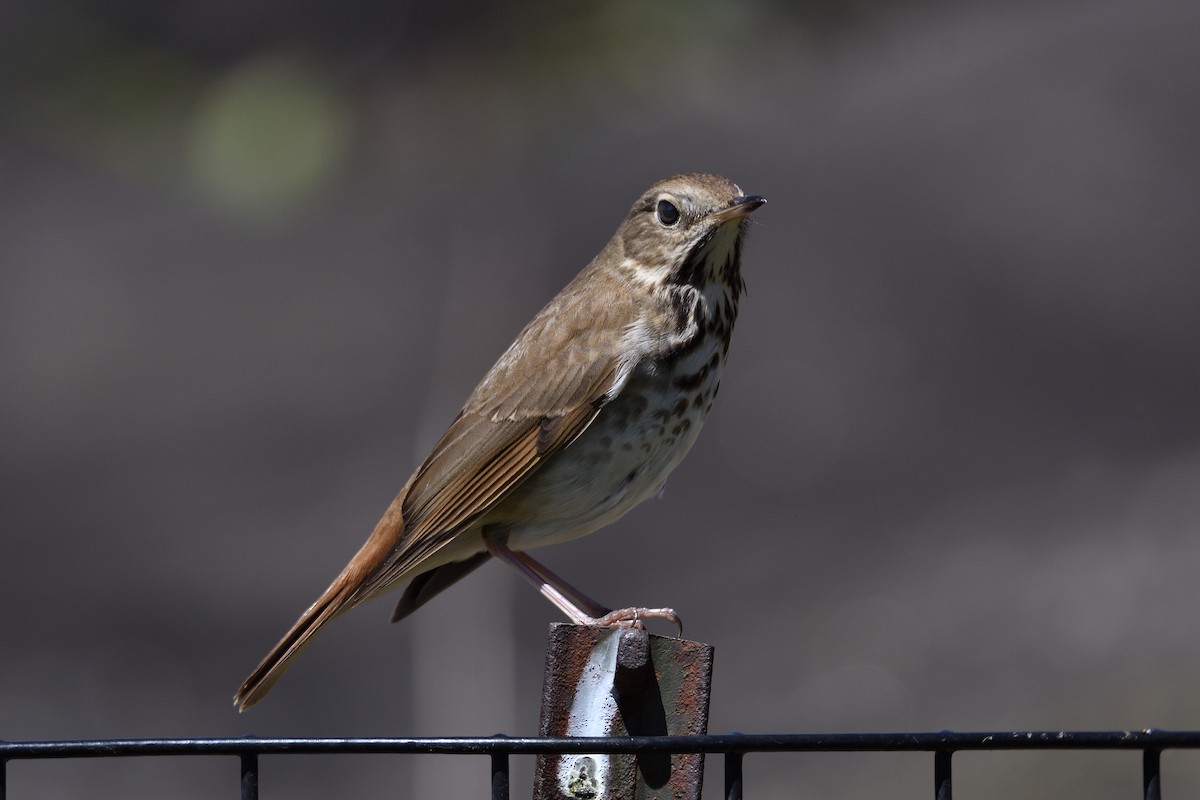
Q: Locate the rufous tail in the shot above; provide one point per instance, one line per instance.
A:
(354, 586)
(333, 602)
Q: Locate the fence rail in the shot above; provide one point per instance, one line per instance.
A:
(942, 744)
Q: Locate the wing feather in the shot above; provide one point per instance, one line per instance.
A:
(475, 465)
(541, 394)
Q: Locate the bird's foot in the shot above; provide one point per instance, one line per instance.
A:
(634, 618)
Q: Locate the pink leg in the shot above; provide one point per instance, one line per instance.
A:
(548, 577)
(565, 597)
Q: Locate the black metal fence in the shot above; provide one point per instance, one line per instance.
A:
(941, 745)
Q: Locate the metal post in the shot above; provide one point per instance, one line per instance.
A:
(622, 682)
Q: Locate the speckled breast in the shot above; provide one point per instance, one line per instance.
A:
(624, 456)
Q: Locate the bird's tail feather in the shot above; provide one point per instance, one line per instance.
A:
(427, 585)
(357, 583)
(336, 599)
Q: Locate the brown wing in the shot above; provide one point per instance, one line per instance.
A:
(482, 458)
(540, 395)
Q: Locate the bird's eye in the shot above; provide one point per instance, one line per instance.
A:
(667, 213)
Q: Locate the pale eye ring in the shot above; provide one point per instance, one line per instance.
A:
(667, 213)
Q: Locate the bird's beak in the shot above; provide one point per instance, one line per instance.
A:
(741, 207)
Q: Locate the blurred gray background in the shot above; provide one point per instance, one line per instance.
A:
(253, 256)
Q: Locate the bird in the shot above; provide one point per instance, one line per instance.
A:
(581, 419)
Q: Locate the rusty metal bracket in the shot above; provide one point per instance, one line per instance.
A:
(622, 682)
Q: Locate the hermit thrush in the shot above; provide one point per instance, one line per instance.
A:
(580, 420)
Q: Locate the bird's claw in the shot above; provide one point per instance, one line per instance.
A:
(633, 618)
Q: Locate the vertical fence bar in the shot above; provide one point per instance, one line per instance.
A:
(249, 776)
(1151, 789)
(942, 788)
(499, 776)
(733, 776)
